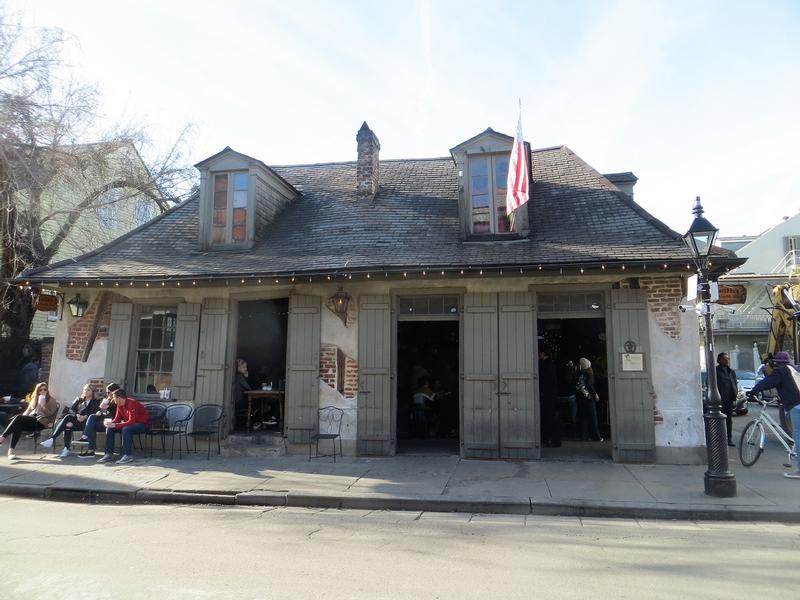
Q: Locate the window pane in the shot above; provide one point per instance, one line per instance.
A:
(221, 183)
(238, 233)
(503, 222)
(155, 349)
(239, 182)
(218, 235)
(240, 199)
(239, 216)
(501, 172)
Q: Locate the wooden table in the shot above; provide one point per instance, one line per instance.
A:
(261, 396)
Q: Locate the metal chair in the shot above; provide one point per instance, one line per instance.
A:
(177, 423)
(330, 428)
(157, 413)
(207, 422)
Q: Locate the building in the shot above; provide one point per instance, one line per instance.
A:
(773, 258)
(115, 211)
(348, 283)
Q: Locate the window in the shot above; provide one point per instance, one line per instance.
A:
(107, 205)
(144, 211)
(155, 348)
(488, 176)
(569, 303)
(229, 208)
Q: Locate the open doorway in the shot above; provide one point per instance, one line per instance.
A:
(569, 340)
(261, 343)
(427, 386)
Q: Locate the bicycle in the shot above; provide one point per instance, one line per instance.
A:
(754, 436)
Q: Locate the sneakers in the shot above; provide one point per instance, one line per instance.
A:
(11, 455)
(86, 454)
(64, 453)
(793, 474)
(126, 458)
(105, 458)
(48, 443)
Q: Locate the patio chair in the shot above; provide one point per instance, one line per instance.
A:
(177, 423)
(330, 428)
(207, 422)
(157, 413)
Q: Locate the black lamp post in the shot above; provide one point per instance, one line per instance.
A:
(719, 481)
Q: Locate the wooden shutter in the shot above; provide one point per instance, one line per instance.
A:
(519, 433)
(119, 340)
(210, 383)
(375, 430)
(480, 412)
(184, 365)
(632, 400)
(302, 367)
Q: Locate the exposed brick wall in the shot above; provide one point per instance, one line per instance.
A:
(350, 377)
(47, 358)
(337, 370)
(80, 331)
(664, 296)
(327, 364)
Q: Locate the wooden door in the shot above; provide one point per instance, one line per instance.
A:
(211, 353)
(518, 394)
(302, 368)
(632, 391)
(376, 435)
(480, 412)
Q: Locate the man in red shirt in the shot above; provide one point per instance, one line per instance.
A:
(131, 418)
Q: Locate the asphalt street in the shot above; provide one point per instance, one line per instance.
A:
(102, 551)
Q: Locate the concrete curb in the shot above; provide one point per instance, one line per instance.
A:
(564, 508)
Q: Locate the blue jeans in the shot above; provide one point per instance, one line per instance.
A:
(127, 437)
(794, 414)
(92, 425)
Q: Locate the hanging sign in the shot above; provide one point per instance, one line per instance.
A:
(732, 294)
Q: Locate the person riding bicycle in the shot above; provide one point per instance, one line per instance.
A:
(786, 380)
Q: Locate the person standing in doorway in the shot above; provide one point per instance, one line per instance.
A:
(587, 399)
(728, 387)
(548, 400)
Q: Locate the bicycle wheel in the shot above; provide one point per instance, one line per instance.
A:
(751, 444)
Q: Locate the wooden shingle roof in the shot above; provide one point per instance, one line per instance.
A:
(576, 217)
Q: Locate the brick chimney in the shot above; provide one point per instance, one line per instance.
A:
(367, 167)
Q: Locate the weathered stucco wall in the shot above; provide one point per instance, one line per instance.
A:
(680, 437)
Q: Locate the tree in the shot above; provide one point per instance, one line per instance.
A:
(57, 169)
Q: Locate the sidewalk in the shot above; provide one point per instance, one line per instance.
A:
(430, 482)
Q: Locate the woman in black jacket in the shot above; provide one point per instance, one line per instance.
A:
(587, 397)
(83, 406)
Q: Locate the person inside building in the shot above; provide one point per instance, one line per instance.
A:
(28, 376)
(83, 406)
(40, 414)
(587, 399)
(728, 387)
(422, 407)
(131, 418)
(548, 400)
(567, 376)
(784, 378)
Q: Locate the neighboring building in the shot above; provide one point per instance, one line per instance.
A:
(353, 281)
(117, 210)
(773, 258)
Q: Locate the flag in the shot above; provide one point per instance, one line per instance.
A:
(517, 189)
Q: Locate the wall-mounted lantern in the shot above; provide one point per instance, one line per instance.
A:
(77, 307)
(339, 303)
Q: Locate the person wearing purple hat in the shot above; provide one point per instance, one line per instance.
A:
(785, 379)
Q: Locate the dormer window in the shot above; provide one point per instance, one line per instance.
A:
(488, 175)
(229, 222)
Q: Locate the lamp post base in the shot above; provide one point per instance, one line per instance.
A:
(720, 486)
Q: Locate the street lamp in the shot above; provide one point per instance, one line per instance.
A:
(719, 481)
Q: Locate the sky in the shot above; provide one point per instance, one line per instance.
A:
(695, 97)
